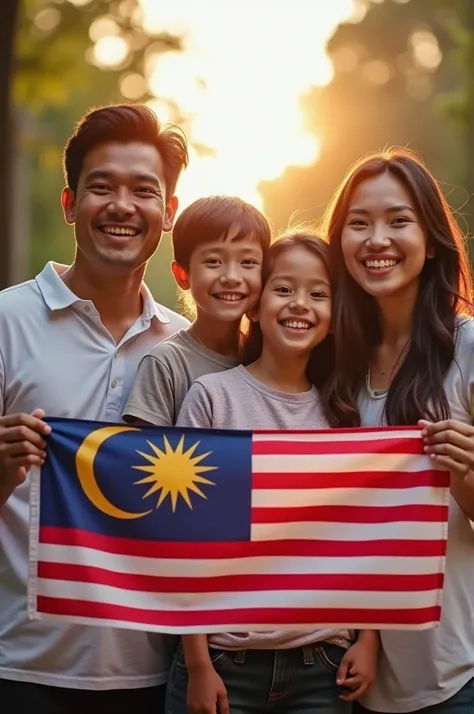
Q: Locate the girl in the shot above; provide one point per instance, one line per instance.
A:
(405, 354)
(287, 353)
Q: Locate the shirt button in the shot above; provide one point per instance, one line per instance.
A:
(114, 384)
(87, 308)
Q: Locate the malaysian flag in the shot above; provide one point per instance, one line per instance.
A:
(186, 531)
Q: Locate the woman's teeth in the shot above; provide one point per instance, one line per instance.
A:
(296, 324)
(379, 264)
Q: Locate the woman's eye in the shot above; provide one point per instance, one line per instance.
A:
(358, 223)
(318, 294)
(401, 220)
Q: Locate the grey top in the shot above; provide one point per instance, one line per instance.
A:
(165, 375)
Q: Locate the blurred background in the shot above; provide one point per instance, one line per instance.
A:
(277, 98)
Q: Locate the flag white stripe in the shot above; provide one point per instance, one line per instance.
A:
(135, 565)
(420, 495)
(226, 600)
(210, 629)
(305, 530)
(342, 463)
(330, 437)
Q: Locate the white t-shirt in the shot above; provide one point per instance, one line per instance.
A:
(420, 669)
(55, 354)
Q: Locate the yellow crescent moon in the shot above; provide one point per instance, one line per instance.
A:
(85, 458)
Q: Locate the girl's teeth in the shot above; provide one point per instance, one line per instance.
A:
(380, 263)
(296, 324)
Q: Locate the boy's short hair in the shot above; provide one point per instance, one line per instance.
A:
(210, 219)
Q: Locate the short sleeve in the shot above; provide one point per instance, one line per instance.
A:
(196, 410)
(152, 397)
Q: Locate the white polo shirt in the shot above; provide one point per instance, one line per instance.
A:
(55, 354)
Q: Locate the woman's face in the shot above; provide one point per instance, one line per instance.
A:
(383, 242)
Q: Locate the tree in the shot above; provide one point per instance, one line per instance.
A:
(8, 17)
(392, 72)
(57, 80)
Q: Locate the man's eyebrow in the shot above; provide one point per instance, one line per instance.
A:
(104, 174)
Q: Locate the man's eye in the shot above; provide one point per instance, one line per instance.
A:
(99, 187)
(146, 189)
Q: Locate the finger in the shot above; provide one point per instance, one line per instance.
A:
(448, 464)
(223, 704)
(26, 460)
(449, 436)
(15, 434)
(21, 448)
(459, 456)
(352, 696)
(342, 671)
(446, 425)
(28, 420)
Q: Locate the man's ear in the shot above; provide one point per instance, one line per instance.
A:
(180, 275)
(68, 202)
(170, 213)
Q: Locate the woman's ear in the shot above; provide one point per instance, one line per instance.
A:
(180, 275)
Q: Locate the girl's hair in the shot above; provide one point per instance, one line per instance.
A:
(322, 357)
(445, 291)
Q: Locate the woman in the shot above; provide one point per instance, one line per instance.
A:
(405, 355)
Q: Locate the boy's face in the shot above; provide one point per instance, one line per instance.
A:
(225, 277)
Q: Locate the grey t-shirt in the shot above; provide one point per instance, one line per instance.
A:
(236, 400)
(421, 669)
(165, 375)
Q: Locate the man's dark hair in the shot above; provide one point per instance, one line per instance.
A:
(125, 123)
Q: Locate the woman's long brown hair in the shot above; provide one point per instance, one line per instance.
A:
(445, 292)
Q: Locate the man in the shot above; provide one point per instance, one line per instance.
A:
(70, 344)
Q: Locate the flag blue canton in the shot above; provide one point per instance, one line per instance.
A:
(147, 483)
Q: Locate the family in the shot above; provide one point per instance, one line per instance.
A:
(367, 323)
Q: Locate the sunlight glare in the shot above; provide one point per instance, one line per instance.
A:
(239, 81)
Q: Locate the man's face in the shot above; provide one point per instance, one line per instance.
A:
(120, 208)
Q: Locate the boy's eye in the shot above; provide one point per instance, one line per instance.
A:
(212, 261)
(283, 289)
(250, 261)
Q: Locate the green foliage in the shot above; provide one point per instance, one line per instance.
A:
(54, 85)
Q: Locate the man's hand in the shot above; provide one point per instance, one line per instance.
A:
(21, 446)
(358, 667)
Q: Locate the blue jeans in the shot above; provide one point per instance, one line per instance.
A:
(460, 703)
(299, 680)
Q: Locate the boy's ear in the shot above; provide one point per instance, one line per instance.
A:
(180, 275)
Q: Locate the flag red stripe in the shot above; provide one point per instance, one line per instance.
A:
(239, 583)
(374, 447)
(304, 548)
(271, 616)
(350, 514)
(352, 479)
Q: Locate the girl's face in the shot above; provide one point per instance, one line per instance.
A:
(295, 307)
(383, 242)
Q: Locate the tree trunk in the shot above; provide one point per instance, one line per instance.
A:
(8, 17)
